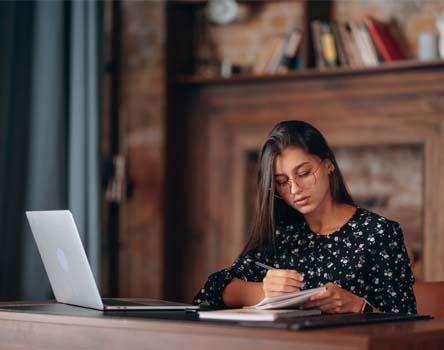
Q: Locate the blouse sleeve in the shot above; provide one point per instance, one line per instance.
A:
(243, 267)
(391, 279)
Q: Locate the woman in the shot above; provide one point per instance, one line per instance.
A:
(308, 228)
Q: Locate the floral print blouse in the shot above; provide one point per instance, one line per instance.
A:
(366, 256)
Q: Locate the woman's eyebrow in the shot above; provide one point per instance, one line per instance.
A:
(295, 168)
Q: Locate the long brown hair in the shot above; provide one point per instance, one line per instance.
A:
(269, 208)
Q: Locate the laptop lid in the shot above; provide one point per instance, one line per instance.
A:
(64, 258)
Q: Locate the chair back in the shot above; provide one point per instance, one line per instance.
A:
(430, 298)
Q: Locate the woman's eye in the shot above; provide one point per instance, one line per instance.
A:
(281, 183)
(304, 174)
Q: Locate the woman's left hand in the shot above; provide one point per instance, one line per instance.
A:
(335, 300)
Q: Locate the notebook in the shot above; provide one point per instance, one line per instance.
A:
(68, 269)
(287, 300)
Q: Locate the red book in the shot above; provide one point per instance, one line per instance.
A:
(384, 40)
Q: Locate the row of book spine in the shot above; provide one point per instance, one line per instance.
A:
(355, 43)
(282, 55)
(352, 43)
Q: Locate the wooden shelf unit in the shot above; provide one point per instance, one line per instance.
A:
(399, 66)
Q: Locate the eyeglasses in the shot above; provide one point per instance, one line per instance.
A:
(303, 180)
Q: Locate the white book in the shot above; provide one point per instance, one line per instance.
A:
(371, 51)
(287, 300)
(357, 37)
(245, 314)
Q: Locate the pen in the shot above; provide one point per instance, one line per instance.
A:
(264, 266)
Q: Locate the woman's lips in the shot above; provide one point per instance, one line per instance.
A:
(302, 201)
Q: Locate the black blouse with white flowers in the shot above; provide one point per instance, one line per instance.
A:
(366, 256)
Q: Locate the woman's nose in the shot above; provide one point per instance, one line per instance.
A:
(294, 187)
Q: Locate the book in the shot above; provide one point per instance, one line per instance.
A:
(297, 63)
(384, 39)
(351, 48)
(317, 45)
(277, 52)
(269, 59)
(359, 44)
(255, 314)
(328, 44)
(291, 47)
(340, 47)
(371, 51)
(286, 300)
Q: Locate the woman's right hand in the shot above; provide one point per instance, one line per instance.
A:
(277, 282)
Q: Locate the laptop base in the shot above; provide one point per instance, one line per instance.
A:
(116, 304)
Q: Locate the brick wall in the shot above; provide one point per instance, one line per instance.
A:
(242, 41)
(142, 113)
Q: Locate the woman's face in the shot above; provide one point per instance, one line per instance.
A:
(302, 179)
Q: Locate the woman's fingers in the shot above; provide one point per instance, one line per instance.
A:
(321, 295)
(318, 303)
(277, 287)
(332, 286)
(331, 308)
(274, 294)
(285, 281)
(318, 299)
(293, 274)
(278, 282)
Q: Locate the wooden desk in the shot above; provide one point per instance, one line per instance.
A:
(24, 330)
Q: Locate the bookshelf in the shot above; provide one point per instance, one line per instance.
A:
(181, 43)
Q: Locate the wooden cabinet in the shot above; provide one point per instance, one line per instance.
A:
(220, 124)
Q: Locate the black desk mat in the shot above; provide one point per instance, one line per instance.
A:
(310, 322)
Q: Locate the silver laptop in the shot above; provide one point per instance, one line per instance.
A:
(68, 270)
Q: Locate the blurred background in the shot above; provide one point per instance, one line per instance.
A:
(144, 118)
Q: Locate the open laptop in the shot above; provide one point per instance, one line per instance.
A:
(68, 270)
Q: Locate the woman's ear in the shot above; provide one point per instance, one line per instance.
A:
(330, 166)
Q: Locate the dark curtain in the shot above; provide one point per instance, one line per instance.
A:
(16, 28)
(50, 64)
